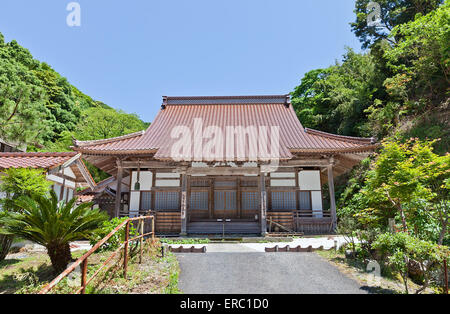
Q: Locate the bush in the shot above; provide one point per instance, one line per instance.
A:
(119, 237)
(403, 250)
(52, 224)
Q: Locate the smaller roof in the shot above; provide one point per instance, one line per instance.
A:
(34, 160)
(48, 161)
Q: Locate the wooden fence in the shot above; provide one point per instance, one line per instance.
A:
(83, 261)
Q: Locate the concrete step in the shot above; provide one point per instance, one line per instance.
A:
(218, 228)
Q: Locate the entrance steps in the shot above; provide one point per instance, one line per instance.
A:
(206, 227)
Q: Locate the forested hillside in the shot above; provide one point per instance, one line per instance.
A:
(396, 90)
(399, 84)
(40, 108)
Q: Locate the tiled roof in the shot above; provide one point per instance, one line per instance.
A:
(34, 160)
(85, 198)
(243, 111)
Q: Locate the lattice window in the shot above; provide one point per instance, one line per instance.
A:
(146, 200)
(250, 201)
(225, 200)
(284, 201)
(219, 200)
(230, 201)
(167, 201)
(199, 200)
(225, 184)
(304, 200)
(199, 183)
(249, 183)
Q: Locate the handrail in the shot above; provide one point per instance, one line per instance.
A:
(83, 261)
(312, 213)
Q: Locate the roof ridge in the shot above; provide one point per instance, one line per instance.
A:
(228, 97)
(39, 154)
(227, 100)
(353, 139)
(107, 140)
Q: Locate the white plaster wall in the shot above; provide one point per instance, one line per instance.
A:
(167, 183)
(309, 180)
(135, 198)
(68, 172)
(57, 188)
(70, 195)
(282, 175)
(146, 179)
(282, 182)
(317, 206)
(167, 175)
(59, 180)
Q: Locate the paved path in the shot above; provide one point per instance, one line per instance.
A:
(326, 242)
(248, 271)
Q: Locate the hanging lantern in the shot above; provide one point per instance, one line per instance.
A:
(137, 185)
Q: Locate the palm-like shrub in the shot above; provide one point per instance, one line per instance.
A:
(16, 183)
(54, 225)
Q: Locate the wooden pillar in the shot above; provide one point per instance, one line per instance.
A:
(119, 178)
(263, 214)
(211, 198)
(183, 204)
(61, 193)
(332, 196)
(238, 197)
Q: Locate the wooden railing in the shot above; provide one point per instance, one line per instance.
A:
(83, 261)
(312, 214)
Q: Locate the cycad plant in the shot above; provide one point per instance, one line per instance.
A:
(54, 225)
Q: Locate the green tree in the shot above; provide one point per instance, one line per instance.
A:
(54, 225)
(420, 61)
(22, 100)
(17, 183)
(402, 250)
(22, 182)
(334, 99)
(436, 176)
(63, 106)
(410, 181)
(101, 123)
(393, 13)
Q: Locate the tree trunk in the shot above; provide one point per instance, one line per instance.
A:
(405, 281)
(402, 215)
(5, 245)
(443, 232)
(59, 256)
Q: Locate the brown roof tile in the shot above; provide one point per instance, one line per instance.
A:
(227, 111)
(34, 160)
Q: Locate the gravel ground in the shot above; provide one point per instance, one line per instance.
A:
(255, 272)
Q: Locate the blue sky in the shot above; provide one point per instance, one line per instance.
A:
(130, 53)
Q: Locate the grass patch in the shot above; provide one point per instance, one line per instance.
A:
(388, 283)
(154, 275)
(185, 241)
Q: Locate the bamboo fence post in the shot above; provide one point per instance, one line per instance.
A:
(141, 240)
(445, 277)
(125, 253)
(84, 266)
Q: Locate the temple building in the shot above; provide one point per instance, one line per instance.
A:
(231, 165)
